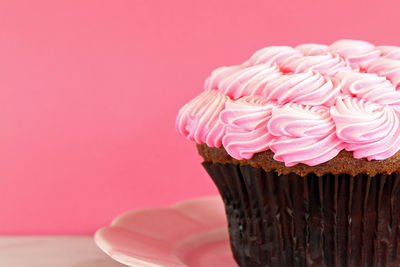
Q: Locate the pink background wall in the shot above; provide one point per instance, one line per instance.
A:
(89, 91)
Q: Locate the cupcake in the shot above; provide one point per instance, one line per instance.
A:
(302, 144)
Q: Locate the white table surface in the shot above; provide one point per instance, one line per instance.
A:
(52, 251)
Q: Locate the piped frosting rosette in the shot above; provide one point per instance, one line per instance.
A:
(306, 104)
(246, 126)
(199, 120)
(372, 131)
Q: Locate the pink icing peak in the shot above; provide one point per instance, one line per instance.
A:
(392, 52)
(306, 104)
(199, 121)
(240, 83)
(304, 134)
(327, 64)
(369, 86)
(312, 49)
(273, 54)
(386, 67)
(358, 53)
(246, 126)
(309, 88)
(372, 131)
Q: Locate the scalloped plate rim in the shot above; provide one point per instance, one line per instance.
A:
(121, 257)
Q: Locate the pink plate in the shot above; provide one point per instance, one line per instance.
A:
(190, 233)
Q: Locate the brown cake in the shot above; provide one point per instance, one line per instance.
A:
(303, 145)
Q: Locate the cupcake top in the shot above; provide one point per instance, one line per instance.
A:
(305, 104)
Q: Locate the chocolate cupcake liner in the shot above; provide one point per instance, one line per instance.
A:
(329, 220)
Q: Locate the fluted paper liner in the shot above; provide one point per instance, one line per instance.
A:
(329, 220)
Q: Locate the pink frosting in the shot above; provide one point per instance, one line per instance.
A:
(198, 120)
(273, 54)
(388, 51)
(309, 88)
(369, 86)
(241, 81)
(312, 49)
(304, 134)
(306, 104)
(326, 64)
(246, 126)
(355, 52)
(386, 67)
(372, 131)
(213, 82)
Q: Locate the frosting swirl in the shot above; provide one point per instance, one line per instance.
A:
(246, 126)
(273, 54)
(388, 51)
(241, 82)
(368, 86)
(355, 52)
(309, 88)
(304, 134)
(372, 131)
(312, 49)
(386, 67)
(198, 120)
(219, 74)
(326, 64)
(305, 104)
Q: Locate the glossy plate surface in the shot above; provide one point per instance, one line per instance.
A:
(190, 233)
